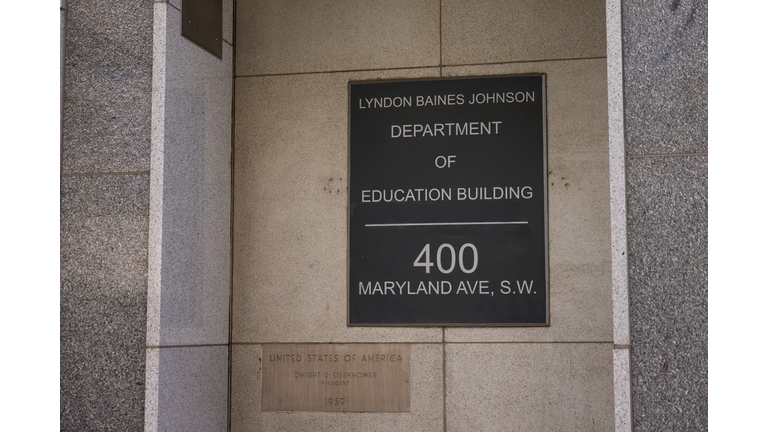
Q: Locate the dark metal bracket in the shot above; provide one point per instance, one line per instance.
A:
(201, 23)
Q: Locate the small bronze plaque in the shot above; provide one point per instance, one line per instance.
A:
(331, 377)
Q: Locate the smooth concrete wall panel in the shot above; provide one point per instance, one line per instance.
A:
(529, 387)
(290, 214)
(294, 63)
(196, 189)
(281, 37)
(192, 394)
(667, 225)
(494, 31)
(579, 204)
(104, 221)
(108, 84)
(426, 412)
(665, 76)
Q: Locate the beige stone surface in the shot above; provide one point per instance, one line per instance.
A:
(426, 399)
(280, 37)
(489, 31)
(529, 387)
(290, 211)
(579, 204)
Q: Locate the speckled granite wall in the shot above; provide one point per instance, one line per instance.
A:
(665, 72)
(104, 213)
(103, 301)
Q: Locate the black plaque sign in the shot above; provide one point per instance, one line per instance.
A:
(448, 203)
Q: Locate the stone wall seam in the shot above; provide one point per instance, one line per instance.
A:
(105, 174)
(63, 55)
(665, 155)
(440, 67)
(230, 350)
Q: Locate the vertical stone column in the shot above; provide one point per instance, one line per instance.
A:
(187, 338)
(665, 76)
(621, 363)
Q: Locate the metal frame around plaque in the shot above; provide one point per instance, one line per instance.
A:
(201, 24)
(520, 140)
